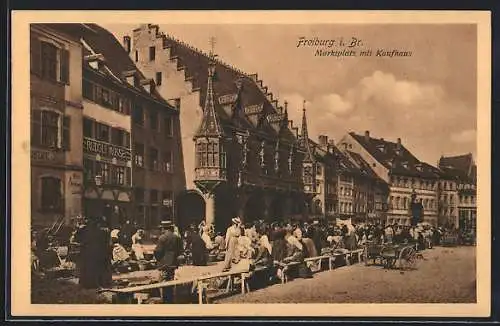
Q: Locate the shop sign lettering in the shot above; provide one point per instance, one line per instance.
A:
(106, 150)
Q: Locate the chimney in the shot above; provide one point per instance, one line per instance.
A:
(323, 141)
(126, 43)
(290, 124)
(367, 136)
(296, 132)
(399, 144)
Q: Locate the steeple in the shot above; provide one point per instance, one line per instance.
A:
(210, 123)
(304, 135)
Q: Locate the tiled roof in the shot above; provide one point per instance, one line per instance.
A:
(345, 165)
(103, 42)
(461, 162)
(195, 64)
(460, 166)
(363, 166)
(396, 157)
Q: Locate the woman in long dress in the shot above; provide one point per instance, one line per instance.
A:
(232, 234)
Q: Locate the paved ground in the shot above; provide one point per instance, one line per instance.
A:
(446, 275)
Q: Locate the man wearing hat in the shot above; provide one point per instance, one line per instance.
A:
(167, 251)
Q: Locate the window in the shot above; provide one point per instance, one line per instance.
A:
(153, 196)
(152, 53)
(105, 97)
(153, 119)
(49, 61)
(138, 115)
(123, 105)
(88, 90)
(318, 169)
(167, 161)
(102, 169)
(158, 78)
(50, 129)
(213, 154)
(153, 159)
(118, 175)
(116, 137)
(103, 132)
(88, 126)
(139, 155)
(51, 197)
(88, 170)
(201, 155)
(168, 126)
(136, 56)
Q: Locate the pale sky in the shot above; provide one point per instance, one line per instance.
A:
(428, 99)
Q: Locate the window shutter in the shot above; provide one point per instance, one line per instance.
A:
(66, 134)
(36, 126)
(36, 56)
(64, 66)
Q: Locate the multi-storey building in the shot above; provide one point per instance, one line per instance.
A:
(346, 173)
(56, 125)
(448, 199)
(129, 138)
(370, 192)
(404, 173)
(247, 160)
(463, 168)
(325, 200)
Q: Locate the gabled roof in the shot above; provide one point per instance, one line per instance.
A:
(362, 165)
(396, 157)
(461, 167)
(101, 41)
(460, 162)
(195, 64)
(344, 164)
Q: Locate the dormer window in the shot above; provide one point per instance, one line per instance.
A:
(405, 165)
(381, 147)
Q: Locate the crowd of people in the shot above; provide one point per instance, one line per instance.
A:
(104, 251)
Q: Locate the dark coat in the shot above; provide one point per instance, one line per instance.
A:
(167, 251)
(95, 257)
(198, 250)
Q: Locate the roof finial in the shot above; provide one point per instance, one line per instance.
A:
(304, 106)
(286, 106)
(212, 42)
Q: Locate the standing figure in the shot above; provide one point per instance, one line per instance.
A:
(232, 234)
(199, 252)
(167, 251)
(94, 256)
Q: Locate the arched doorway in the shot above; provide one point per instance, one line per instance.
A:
(225, 206)
(276, 211)
(190, 208)
(254, 207)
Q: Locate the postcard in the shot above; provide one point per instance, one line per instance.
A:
(260, 163)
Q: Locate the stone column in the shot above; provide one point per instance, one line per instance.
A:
(209, 208)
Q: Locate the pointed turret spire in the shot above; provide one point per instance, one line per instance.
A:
(210, 124)
(304, 134)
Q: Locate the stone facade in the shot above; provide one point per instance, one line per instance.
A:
(56, 122)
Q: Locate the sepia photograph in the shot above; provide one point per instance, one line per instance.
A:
(198, 162)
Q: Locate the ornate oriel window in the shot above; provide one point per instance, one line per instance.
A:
(210, 155)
